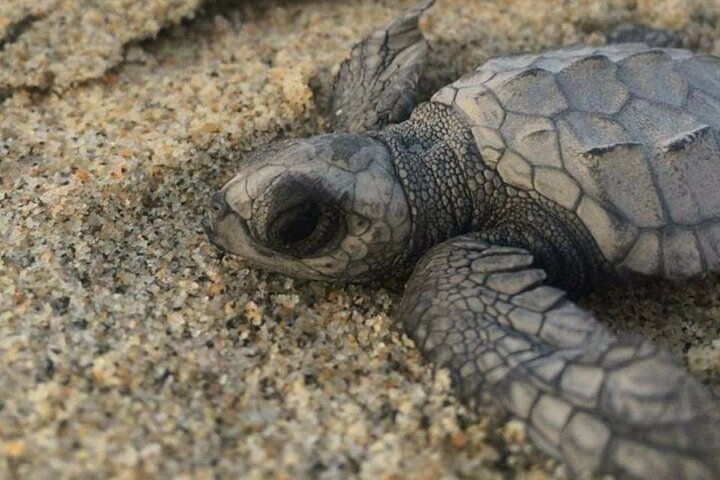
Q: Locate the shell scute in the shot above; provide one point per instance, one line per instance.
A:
(652, 75)
(521, 92)
(591, 84)
(626, 136)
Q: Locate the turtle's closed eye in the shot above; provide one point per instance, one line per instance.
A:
(298, 218)
(306, 229)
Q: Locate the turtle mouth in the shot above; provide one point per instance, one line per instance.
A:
(209, 225)
(208, 229)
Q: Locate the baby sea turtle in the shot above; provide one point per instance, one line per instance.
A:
(520, 185)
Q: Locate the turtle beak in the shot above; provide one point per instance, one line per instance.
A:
(217, 211)
(208, 228)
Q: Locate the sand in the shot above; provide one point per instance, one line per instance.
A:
(130, 348)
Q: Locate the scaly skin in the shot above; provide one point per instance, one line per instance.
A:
(451, 191)
(602, 403)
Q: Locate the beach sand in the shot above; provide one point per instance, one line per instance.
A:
(130, 348)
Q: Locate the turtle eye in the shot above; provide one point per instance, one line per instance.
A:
(305, 229)
(297, 223)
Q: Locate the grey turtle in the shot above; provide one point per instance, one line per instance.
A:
(516, 188)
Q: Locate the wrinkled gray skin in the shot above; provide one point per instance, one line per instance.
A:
(532, 177)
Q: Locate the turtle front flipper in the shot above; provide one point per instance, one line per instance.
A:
(600, 402)
(377, 84)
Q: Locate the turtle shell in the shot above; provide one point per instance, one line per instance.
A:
(626, 136)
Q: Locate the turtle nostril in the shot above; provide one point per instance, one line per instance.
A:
(218, 204)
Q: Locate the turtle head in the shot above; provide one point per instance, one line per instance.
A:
(327, 207)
